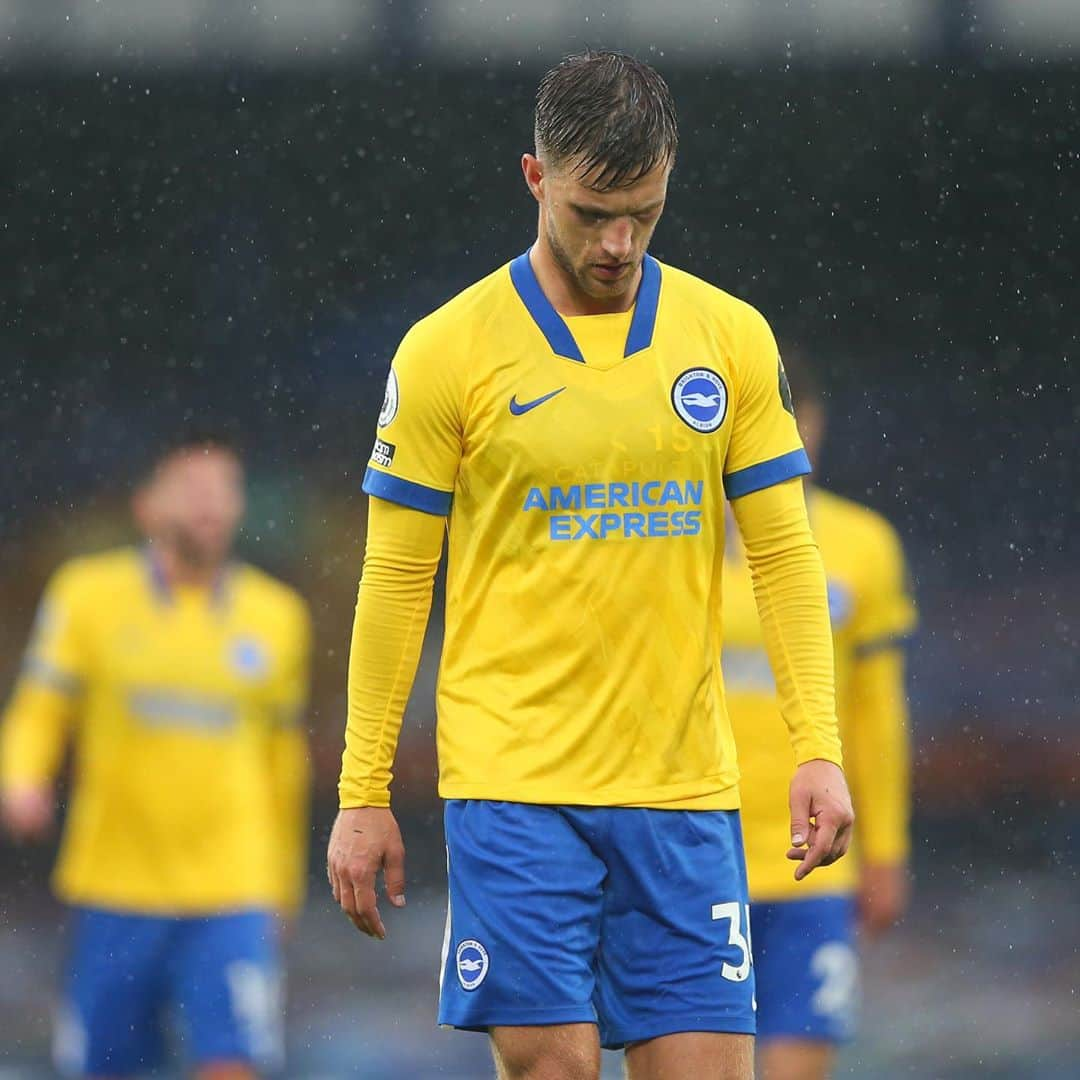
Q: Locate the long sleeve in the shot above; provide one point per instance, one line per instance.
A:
(34, 735)
(789, 588)
(875, 708)
(37, 721)
(290, 771)
(878, 756)
(290, 766)
(402, 555)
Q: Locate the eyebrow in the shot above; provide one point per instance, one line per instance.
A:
(595, 211)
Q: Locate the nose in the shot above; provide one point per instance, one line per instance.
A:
(618, 240)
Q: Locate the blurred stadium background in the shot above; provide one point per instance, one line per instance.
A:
(230, 212)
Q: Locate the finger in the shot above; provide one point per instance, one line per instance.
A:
(367, 911)
(799, 805)
(346, 892)
(800, 828)
(843, 839)
(840, 839)
(820, 846)
(394, 875)
(351, 897)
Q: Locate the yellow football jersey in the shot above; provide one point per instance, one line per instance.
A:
(583, 464)
(189, 786)
(871, 610)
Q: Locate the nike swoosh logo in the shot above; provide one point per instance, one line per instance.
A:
(519, 408)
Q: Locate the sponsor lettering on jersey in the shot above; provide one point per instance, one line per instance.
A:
(616, 502)
(383, 453)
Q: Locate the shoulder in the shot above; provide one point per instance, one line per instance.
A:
(270, 599)
(740, 331)
(709, 300)
(866, 531)
(101, 572)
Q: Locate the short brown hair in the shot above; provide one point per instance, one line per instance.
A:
(611, 114)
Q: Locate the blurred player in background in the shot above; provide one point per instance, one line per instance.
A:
(585, 410)
(804, 933)
(179, 678)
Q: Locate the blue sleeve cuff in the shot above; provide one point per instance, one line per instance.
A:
(407, 493)
(767, 473)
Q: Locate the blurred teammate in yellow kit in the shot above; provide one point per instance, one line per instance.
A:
(803, 932)
(179, 678)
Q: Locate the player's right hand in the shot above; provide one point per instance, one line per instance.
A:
(365, 840)
(28, 812)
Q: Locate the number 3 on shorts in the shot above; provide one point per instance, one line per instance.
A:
(733, 912)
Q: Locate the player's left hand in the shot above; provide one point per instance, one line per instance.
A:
(821, 816)
(27, 813)
(882, 897)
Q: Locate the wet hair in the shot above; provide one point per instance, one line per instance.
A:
(608, 114)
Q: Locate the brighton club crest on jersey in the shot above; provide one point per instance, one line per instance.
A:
(248, 657)
(390, 400)
(699, 398)
(472, 964)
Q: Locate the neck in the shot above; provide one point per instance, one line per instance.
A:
(566, 296)
(176, 570)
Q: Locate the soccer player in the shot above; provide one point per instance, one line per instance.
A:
(578, 417)
(179, 678)
(803, 934)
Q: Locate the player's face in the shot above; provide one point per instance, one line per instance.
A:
(194, 503)
(598, 238)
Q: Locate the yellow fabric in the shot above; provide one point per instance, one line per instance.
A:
(190, 783)
(871, 611)
(792, 605)
(392, 607)
(581, 655)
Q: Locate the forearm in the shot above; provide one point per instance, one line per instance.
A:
(789, 587)
(403, 549)
(33, 736)
(878, 756)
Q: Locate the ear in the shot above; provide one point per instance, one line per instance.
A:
(534, 175)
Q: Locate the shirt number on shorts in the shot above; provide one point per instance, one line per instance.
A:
(733, 912)
(835, 965)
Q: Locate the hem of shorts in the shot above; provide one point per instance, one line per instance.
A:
(718, 1025)
(724, 797)
(791, 1034)
(784, 895)
(577, 1014)
(79, 900)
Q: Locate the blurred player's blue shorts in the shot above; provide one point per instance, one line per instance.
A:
(806, 966)
(216, 978)
(632, 919)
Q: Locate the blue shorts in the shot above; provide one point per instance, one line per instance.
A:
(217, 975)
(631, 919)
(807, 970)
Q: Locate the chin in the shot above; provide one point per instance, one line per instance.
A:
(604, 290)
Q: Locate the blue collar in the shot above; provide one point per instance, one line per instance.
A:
(159, 585)
(556, 331)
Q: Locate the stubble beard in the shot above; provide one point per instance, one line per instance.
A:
(580, 277)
